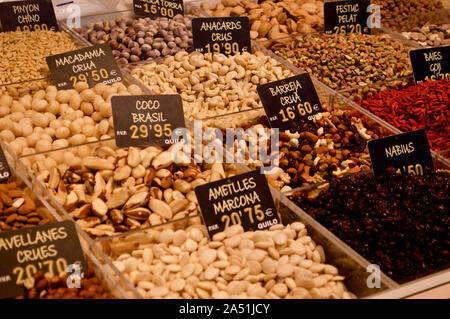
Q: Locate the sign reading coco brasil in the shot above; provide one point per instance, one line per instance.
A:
(144, 120)
(290, 102)
(229, 35)
(430, 63)
(158, 8)
(407, 153)
(343, 17)
(49, 248)
(29, 15)
(94, 64)
(5, 172)
(243, 199)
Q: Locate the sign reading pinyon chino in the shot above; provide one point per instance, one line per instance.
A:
(144, 120)
(50, 248)
(228, 35)
(94, 64)
(290, 102)
(158, 8)
(5, 172)
(430, 63)
(29, 15)
(408, 153)
(244, 200)
(346, 17)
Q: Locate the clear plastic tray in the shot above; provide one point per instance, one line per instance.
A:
(350, 264)
(94, 258)
(257, 119)
(145, 76)
(313, 189)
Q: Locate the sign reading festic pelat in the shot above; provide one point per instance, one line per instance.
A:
(94, 64)
(144, 120)
(239, 200)
(344, 17)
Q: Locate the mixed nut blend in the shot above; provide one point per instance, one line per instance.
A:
(334, 144)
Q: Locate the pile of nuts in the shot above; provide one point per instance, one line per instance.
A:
(430, 35)
(399, 222)
(343, 62)
(134, 40)
(51, 118)
(44, 286)
(23, 55)
(18, 210)
(109, 191)
(209, 84)
(282, 262)
(271, 20)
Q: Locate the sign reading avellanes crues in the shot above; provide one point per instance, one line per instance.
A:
(95, 64)
(50, 248)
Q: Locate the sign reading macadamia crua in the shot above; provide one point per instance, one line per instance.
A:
(239, 200)
(94, 64)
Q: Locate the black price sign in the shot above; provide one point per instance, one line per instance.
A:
(408, 153)
(229, 35)
(430, 64)
(158, 8)
(345, 17)
(290, 102)
(144, 120)
(30, 15)
(243, 199)
(49, 248)
(5, 172)
(94, 64)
